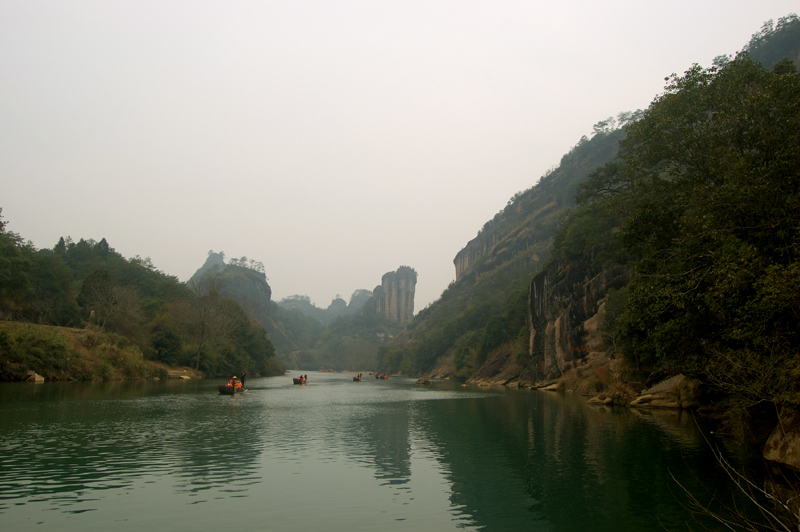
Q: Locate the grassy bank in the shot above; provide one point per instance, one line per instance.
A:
(67, 354)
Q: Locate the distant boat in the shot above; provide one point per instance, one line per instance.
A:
(299, 380)
(357, 378)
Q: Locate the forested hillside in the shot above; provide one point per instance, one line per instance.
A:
(705, 200)
(487, 305)
(697, 197)
(94, 314)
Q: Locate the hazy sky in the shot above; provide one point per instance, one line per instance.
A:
(331, 140)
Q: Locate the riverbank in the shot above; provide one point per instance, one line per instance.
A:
(769, 429)
(67, 354)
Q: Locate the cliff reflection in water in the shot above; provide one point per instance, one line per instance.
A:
(539, 457)
(386, 437)
(338, 455)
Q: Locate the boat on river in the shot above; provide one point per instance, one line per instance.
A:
(357, 378)
(233, 387)
(299, 380)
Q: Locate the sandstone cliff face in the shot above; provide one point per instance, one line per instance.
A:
(565, 312)
(783, 445)
(476, 248)
(526, 243)
(394, 298)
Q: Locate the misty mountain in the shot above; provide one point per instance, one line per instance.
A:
(338, 307)
(343, 336)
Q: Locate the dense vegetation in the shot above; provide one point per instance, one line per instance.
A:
(701, 200)
(94, 314)
(704, 202)
(706, 197)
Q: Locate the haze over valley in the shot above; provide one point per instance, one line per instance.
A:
(331, 142)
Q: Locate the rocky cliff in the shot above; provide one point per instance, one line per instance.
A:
(477, 248)
(394, 297)
(493, 271)
(250, 289)
(520, 233)
(565, 312)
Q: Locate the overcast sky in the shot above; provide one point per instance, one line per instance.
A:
(331, 140)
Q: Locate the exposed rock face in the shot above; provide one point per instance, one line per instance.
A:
(475, 249)
(565, 311)
(394, 298)
(783, 445)
(492, 248)
(675, 392)
(499, 368)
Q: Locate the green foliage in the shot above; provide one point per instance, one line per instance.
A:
(591, 230)
(615, 303)
(47, 351)
(53, 290)
(87, 284)
(776, 41)
(165, 341)
(710, 205)
(68, 354)
(14, 268)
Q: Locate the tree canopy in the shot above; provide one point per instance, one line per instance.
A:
(707, 194)
(87, 284)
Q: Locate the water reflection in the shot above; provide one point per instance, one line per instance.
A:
(384, 455)
(71, 441)
(550, 462)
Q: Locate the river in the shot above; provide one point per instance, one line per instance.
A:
(338, 455)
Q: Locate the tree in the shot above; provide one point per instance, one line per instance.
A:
(14, 270)
(165, 340)
(710, 202)
(212, 318)
(105, 300)
(53, 290)
(776, 41)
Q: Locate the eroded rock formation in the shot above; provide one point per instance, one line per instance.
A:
(475, 249)
(493, 248)
(566, 314)
(394, 298)
(783, 445)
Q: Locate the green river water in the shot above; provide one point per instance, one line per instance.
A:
(337, 455)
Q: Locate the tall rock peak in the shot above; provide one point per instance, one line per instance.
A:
(394, 297)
